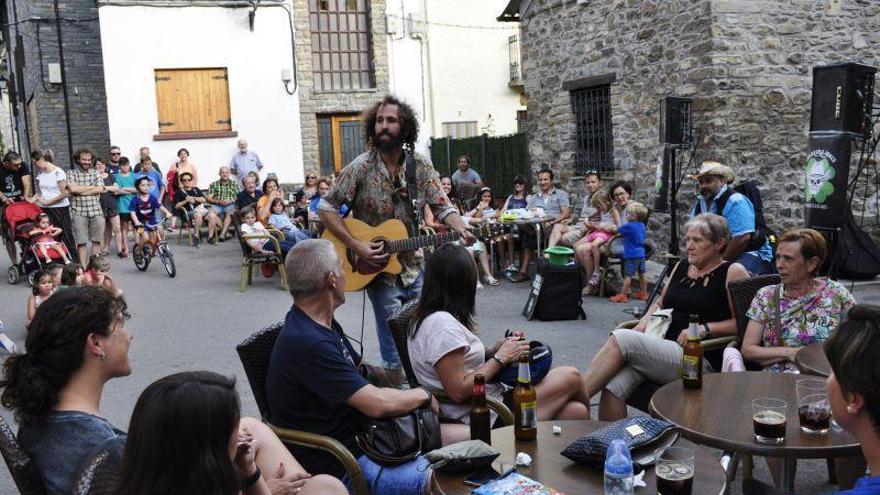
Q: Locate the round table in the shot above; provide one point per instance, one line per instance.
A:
(550, 468)
(720, 415)
(811, 360)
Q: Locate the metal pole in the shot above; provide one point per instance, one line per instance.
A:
(64, 84)
(673, 204)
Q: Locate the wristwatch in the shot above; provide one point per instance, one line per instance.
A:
(708, 333)
(498, 360)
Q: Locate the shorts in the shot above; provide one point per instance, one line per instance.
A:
(598, 235)
(407, 478)
(124, 217)
(87, 229)
(633, 265)
(476, 248)
(224, 210)
(110, 207)
(573, 235)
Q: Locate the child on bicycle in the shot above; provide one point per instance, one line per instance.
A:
(143, 209)
(46, 234)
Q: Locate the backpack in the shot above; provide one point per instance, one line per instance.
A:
(749, 189)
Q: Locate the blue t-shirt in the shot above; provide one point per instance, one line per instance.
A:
(866, 485)
(124, 200)
(313, 206)
(514, 203)
(156, 182)
(312, 373)
(67, 440)
(740, 215)
(145, 209)
(633, 239)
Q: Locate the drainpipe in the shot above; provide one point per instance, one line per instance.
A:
(428, 67)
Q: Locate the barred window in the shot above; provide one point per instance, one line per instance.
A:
(594, 134)
(342, 52)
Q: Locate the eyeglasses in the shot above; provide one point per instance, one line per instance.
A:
(115, 153)
(186, 180)
(311, 177)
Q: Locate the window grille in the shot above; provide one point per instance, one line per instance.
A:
(594, 134)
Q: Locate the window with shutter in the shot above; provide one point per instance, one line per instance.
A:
(193, 103)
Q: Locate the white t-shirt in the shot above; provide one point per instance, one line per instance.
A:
(438, 335)
(257, 229)
(48, 186)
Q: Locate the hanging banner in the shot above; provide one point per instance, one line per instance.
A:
(826, 175)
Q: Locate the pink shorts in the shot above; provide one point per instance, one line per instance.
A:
(598, 235)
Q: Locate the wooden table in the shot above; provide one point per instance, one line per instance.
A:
(719, 415)
(811, 360)
(550, 468)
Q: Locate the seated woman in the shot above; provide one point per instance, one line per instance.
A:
(854, 354)
(187, 437)
(271, 191)
(76, 343)
(517, 200)
(446, 353)
(803, 309)
(696, 286)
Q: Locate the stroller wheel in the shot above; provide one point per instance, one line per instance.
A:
(12, 275)
(30, 278)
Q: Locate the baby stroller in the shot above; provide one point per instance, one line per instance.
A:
(21, 218)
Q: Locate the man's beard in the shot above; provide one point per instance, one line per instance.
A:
(391, 144)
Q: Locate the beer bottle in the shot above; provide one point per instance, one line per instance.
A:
(525, 404)
(481, 420)
(692, 361)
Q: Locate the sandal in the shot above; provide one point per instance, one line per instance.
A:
(518, 277)
(491, 281)
(479, 286)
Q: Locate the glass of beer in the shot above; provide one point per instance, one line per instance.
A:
(814, 410)
(674, 470)
(769, 420)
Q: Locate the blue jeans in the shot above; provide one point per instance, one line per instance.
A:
(295, 236)
(387, 295)
(405, 479)
(755, 265)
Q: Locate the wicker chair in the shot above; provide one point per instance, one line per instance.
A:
(251, 258)
(100, 476)
(22, 468)
(254, 353)
(399, 324)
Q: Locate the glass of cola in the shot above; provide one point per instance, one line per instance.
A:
(814, 410)
(769, 420)
(675, 470)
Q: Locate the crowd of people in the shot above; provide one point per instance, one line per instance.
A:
(77, 340)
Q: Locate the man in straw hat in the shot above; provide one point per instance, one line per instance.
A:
(716, 195)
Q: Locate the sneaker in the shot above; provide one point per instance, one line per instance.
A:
(510, 268)
(641, 296)
(619, 298)
(492, 281)
(479, 286)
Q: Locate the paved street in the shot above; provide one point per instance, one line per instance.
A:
(195, 320)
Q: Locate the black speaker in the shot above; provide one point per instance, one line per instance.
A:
(675, 121)
(842, 98)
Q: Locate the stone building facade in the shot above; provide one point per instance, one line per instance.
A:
(316, 103)
(41, 120)
(747, 64)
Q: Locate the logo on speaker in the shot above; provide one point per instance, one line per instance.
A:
(819, 174)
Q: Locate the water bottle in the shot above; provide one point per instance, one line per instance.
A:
(618, 469)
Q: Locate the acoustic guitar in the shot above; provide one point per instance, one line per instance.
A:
(395, 239)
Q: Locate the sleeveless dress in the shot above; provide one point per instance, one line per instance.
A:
(705, 296)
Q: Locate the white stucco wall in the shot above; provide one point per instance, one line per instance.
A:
(461, 70)
(138, 40)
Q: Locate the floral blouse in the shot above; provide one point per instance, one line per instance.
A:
(804, 320)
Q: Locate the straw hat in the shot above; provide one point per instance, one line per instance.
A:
(714, 168)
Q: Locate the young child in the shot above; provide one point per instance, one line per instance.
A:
(600, 228)
(279, 220)
(45, 234)
(55, 269)
(143, 209)
(250, 227)
(98, 273)
(633, 232)
(71, 275)
(43, 288)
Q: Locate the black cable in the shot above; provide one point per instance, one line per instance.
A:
(46, 88)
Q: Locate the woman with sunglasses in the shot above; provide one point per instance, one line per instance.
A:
(517, 200)
(308, 190)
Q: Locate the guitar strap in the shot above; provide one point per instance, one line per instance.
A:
(412, 190)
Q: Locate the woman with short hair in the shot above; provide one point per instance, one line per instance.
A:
(698, 286)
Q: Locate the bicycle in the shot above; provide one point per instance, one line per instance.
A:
(150, 249)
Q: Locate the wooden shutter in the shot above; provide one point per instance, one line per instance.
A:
(193, 100)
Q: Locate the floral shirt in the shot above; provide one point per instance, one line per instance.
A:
(804, 320)
(369, 190)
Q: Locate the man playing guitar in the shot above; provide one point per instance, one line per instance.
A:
(374, 186)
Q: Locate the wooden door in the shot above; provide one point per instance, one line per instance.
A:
(340, 140)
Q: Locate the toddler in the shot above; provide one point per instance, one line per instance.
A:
(279, 220)
(600, 228)
(251, 227)
(71, 275)
(633, 232)
(43, 288)
(45, 234)
(98, 273)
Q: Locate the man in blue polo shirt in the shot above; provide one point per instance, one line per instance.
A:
(313, 382)
(713, 179)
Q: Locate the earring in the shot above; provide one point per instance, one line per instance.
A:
(851, 409)
(103, 356)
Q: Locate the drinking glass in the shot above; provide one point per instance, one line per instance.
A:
(814, 410)
(769, 420)
(675, 470)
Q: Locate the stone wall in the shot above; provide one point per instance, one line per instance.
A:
(84, 71)
(746, 63)
(314, 102)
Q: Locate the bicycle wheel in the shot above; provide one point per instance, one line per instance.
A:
(140, 261)
(167, 259)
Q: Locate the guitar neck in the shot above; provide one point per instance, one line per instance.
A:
(413, 243)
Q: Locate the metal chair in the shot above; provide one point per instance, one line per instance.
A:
(612, 254)
(22, 468)
(254, 353)
(100, 476)
(251, 258)
(399, 324)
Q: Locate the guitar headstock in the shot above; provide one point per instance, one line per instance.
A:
(489, 231)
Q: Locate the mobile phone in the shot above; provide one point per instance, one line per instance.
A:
(481, 477)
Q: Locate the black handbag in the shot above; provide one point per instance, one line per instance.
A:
(397, 440)
(643, 435)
